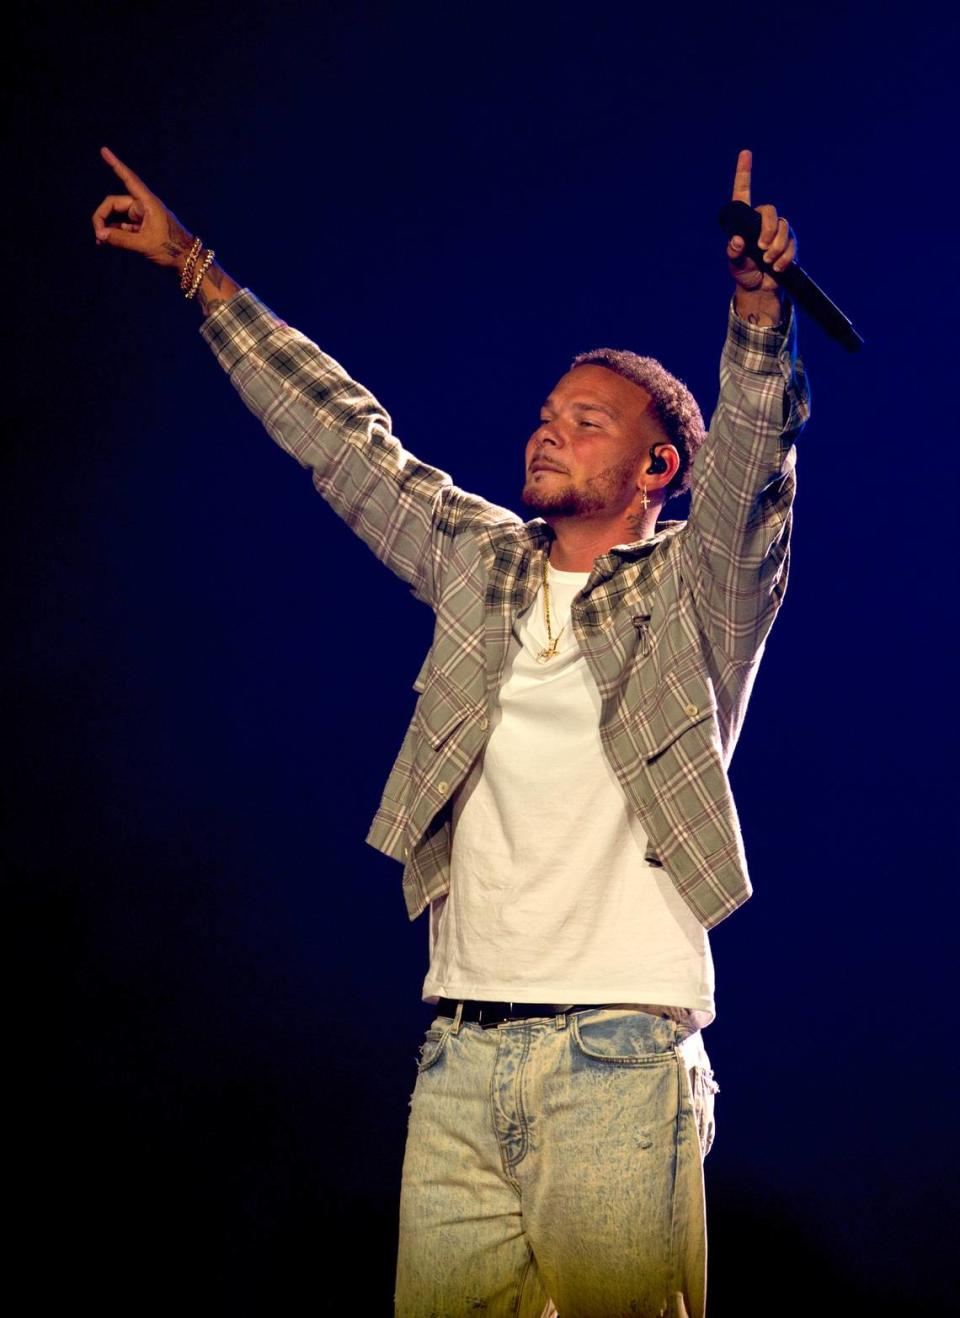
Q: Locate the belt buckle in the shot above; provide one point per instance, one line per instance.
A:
(498, 1020)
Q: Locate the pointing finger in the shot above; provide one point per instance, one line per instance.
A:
(741, 179)
(133, 183)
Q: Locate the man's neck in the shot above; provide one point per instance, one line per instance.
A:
(580, 541)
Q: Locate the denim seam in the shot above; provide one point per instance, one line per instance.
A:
(675, 1242)
(523, 1284)
(505, 1162)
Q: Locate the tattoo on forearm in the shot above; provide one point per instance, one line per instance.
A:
(179, 239)
(208, 305)
(215, 275)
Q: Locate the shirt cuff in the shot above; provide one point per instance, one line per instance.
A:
(764, 350)
(237, 326)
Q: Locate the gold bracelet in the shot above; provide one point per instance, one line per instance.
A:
(186, 273)
(202, 269)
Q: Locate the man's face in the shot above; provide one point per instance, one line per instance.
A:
(584, 457)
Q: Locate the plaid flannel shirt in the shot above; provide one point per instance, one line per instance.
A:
(672, 627)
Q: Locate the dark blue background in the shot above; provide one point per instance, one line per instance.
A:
(218, 981)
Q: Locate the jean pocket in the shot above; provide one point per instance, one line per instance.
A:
(624, 1038)
(431, 1049)
(705, 1088)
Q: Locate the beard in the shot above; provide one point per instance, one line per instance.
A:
(562, 501)
(593, 496)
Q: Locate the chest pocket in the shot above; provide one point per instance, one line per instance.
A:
(676, 705)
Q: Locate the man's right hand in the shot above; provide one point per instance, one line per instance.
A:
(139, 221)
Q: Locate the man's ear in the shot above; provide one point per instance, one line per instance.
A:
(656, 464)
(663, 460)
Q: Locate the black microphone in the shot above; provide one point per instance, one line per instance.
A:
(739, 218)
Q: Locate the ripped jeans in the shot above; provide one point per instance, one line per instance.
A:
(557, 1161)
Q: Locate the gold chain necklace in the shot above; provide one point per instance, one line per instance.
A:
(549, 651)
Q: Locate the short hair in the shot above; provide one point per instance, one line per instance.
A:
(672, 404)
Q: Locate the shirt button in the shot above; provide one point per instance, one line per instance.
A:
(691, 710)
(484, 722)
(406, 853)
(443, 788)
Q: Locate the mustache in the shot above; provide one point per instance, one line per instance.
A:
(545, 464)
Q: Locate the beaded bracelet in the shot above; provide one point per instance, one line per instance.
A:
(202, 269)
(186, 273)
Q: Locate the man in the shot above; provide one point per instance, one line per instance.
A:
(560, 800)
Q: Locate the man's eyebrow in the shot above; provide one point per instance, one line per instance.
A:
(586, 407)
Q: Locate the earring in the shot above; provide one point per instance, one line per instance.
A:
(645, 504)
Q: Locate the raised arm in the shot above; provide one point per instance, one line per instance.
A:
(406, 511)
(736, 544)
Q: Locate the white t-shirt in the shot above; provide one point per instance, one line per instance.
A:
(550, 898)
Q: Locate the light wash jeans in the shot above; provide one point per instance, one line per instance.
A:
(557, 1160)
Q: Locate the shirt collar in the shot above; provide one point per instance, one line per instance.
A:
(537, 535)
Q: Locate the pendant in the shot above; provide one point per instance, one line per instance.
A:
(547, 653)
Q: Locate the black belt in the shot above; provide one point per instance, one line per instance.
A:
(489, 1014)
